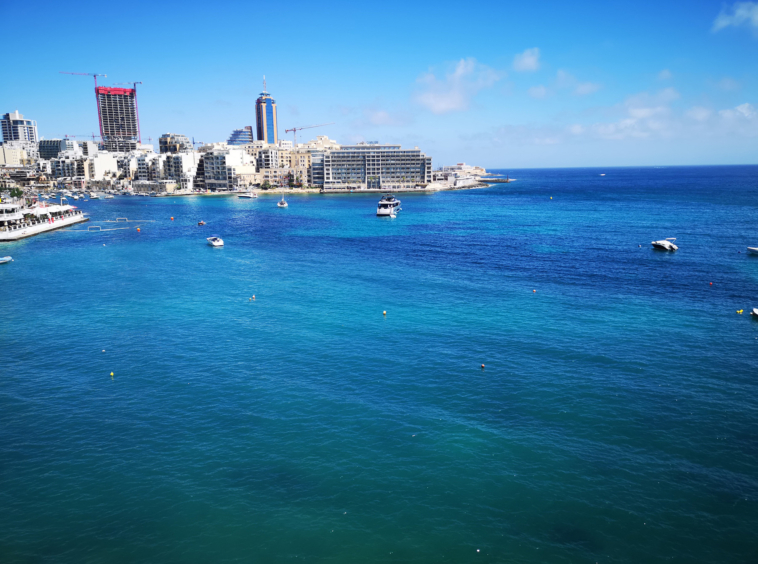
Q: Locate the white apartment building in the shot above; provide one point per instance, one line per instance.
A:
(150, 166)
(102, 165)
(375, 166)
(223, 167)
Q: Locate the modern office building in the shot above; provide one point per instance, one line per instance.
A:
(265, 116)
(374, 166)
(51, 148)
(16, 128)
(119, 121)
(174, 143)
(241, 136)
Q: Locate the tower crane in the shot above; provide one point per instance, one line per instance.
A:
(136, 107)
(94, 75)
(294, 130)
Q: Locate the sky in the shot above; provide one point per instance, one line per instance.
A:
(497, 84)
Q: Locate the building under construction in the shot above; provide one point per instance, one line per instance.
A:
(119, 120)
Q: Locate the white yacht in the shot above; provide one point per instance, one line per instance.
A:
(108, 196)
(94, 196)
(282, 203)
(388, 206)
(215, 241)
(247, 195)
(665, 244)
(26, 217)
(752, 250)
(3, 260)
(754, 313)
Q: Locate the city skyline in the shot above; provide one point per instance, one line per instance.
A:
(516, 87)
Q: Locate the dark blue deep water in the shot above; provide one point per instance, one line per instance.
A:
(616, 419)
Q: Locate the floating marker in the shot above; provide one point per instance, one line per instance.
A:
(172, 219)
(384, 313)
(138, 229)
(534, 291)
(111, 374)
(482, 366)
(711, 283)
(551, 199)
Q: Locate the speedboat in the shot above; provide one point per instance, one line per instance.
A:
(3, 260)
(201, 223)
(752, 250)
(388, 206)
(215, 241)
(281, 203)
(94, 196)
(665, 244)
(247, 195)
(754, 313)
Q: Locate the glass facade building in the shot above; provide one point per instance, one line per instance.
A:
(241, 136)
(265, 116)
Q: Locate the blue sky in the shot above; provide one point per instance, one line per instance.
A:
(498, 84)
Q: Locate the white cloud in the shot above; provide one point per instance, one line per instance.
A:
(665, 74)
(564, 79)
(538, 92)
(740, 14)
(742, 112)
(728, 84)
(455, 92)
(528, 61)
(383, 117)
(698, 113)
(586, 88)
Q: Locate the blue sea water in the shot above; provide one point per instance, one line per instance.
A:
(616, 418)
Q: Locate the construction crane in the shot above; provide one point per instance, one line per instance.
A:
(136, 107)
(97, 98)
(294, 130)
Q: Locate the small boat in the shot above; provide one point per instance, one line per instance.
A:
(215, 241)
(247, 195)
(752, 250)
(603, 174)
(281, 203)
(665, 244)
(201, 223)
(94, 196)
(3, 260)
(388, 206)
(108, 196)
(754, 313)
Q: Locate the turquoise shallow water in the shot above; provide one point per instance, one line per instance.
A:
(615, 420)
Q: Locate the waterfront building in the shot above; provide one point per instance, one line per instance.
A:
(119, 124)
(51, 148)
(241, 136)
(320, 143)
(16, 128)
(150, 166)
(174, 143)
(226, 169)
(285, 144)
(265, 116)
(375, 166)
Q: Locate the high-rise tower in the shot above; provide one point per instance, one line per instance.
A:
(119, 125)
(16, 128)
(265, 116)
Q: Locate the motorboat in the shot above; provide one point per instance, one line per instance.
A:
(388, 206)
(3, 260)
(752, 250)
(247, 195)
(108, 196)
(215, 241)
(665, 244)
(201, 223)
(754, 313)
(94, 196)
(282, 203)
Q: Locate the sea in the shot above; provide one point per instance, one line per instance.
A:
(501, 375)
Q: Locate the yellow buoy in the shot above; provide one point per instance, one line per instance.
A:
(384, 313)
(111, 373)
(551, 197)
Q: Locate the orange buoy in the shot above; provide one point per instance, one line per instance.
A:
(384, 313)
(482, 366)
(534, 291)
(172, 219)
(138, 229)
(711, 283)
